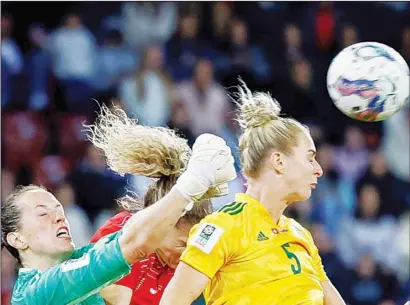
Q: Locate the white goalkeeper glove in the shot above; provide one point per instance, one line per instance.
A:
(211, 166)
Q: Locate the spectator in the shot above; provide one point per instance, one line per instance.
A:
(80, 227)
(205, 99)
(73, 51)
(405, 45)
(325, 26)
(39, 68)
(330, 259)
(297, 92)
(334, 197)
(378, 174)
(219, 31)
(353, 157)
(115, 61)
(301, 73)
(396, 144)
(404, 247)
(148, 23)
(95, 187)
(369, 285)
(185, 49)
(179, 120)
(8, 183)
(368, 232)
(350, 36)
(246, 60)
(293, 43)
(147, 95)
(11, 60)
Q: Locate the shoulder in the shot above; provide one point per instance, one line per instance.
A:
(25, 278)
(234, 208)
(112, 225)
(228, 217)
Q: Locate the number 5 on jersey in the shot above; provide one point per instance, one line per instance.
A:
(295, 269)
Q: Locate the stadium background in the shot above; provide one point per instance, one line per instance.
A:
(172, 64)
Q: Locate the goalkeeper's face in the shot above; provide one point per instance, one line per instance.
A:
(44, 229)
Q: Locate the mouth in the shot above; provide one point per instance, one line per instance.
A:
(63, 233)
(313, 186)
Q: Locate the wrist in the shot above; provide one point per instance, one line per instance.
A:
(193, 184)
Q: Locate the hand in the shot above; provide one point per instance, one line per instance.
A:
(211, 165)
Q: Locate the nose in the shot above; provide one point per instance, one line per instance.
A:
(59, 217)
(318, 170)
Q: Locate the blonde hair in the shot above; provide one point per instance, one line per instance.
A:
(131, 148)
(155, 152)
(262, 129)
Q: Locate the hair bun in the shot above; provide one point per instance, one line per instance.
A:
(255, 109)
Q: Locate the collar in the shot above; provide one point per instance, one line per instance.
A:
(26, 270)
(259, 208)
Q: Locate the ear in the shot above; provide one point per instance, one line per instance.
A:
(277, 162)
(17, 240)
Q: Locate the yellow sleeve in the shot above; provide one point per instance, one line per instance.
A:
(208, 247)
(317, 260)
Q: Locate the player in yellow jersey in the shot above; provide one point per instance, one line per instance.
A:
(248, 252)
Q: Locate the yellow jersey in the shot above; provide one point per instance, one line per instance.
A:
(252, 260)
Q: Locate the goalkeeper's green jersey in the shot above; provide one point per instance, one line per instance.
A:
(75, 281)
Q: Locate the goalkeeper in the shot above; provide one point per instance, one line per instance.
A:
(36, 232)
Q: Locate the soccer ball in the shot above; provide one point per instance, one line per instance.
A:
(368, 81)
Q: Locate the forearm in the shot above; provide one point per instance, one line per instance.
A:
(116, 295)
(147, 228)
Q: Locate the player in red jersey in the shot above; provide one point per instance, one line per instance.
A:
(164, 161)
(149, 277)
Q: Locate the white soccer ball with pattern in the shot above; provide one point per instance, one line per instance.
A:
(369, 81)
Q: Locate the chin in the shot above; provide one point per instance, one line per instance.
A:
(306, 196)
(66, 245)
(301, 197)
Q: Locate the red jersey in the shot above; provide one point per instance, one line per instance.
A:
(148, 277)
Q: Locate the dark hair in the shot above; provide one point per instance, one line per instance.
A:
(157, 190)
(11, 214)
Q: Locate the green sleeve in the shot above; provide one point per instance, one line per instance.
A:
(90, 269)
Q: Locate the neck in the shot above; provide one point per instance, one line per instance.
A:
(40, 262)
(269, 196)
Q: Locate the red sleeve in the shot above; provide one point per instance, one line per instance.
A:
(113, 225)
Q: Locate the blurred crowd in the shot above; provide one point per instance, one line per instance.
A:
(174, 64)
